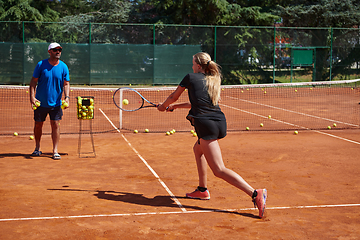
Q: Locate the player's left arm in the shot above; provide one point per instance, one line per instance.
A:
(173, 97)
(67, 91)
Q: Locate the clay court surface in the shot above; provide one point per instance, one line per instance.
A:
(135, 186)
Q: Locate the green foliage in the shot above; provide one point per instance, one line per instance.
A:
(321, 13)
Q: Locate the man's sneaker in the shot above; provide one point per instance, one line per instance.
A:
(197, 194)
(260, 201)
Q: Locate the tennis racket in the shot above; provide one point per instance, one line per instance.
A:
(130, 100)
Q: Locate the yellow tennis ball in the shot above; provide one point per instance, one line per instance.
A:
(31, 137)
(146, 130)
(261, 125)
(296, 132)
(192, 131)
(125, 102)
(334, 124)
(136, 131)
(269, 116)
(167, 133)
(329, 127)
(194, 134)
(15, 134)
(34, 107)
(37, 104)
(174, 130)
(247, 128)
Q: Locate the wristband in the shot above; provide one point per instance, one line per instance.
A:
(67, 97)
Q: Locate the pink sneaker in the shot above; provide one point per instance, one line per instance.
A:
(197, 194)
(260, 201)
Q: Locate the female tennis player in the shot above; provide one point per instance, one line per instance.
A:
(210, 125)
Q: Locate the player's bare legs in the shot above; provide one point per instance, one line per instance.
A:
(55, 134)
(212, 153)
(38, 133)
(201, 165)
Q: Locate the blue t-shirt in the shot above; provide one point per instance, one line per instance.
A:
(50, 82)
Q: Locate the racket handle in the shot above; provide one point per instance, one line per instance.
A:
(169, 110)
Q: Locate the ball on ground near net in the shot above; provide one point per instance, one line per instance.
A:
(334, 124)
(15, 134)
(296, 132)
(329, 127)
(195, 134)
(192, 131)
(247, 128)
(125, 102)
(167, 133)
(174, 130)
(261, 125)
(31, 137)
(269, 116)
(146, 130)
(136, 131)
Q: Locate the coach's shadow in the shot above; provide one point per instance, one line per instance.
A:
(28, 156)
(157, 201)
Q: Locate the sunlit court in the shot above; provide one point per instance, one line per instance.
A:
(300, 141)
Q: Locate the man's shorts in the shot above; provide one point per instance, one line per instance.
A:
(210, 129)
(40, 113)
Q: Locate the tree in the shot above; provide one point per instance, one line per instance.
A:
(325, 13)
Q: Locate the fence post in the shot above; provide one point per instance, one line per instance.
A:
(215, 44)
(23, 51)
(90, 53)
(274, 53)
(331, 51)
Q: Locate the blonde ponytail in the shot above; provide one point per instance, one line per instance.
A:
(213, 75)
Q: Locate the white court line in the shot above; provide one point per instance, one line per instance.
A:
(294, 125)
(182, 212)
(147, 165)
(300, 113)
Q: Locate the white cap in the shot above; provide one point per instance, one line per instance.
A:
(54, 45)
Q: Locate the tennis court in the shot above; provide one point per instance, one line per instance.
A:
(135, 187)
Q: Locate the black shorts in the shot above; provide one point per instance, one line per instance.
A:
(210, 129)
(40, 113)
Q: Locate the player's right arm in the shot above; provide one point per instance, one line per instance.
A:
(32, 87)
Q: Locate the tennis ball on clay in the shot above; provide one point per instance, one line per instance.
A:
(247, 128)
(261, 125)
(146, 130)
(15, 134)
(295, 90)
(37, 104)
(167, 133)
(296, 132)
(194, 134)
(136, 131)
(171, 132)
(329, 127)
(31, 137)
(174, 130)
(125, 102)
(269, 116)
(334, 124)
(192, 131)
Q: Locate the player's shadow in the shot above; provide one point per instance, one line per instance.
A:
(157, 201)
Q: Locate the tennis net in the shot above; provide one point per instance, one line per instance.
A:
(265, 107)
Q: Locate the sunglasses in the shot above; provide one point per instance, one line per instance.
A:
(56, 49)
